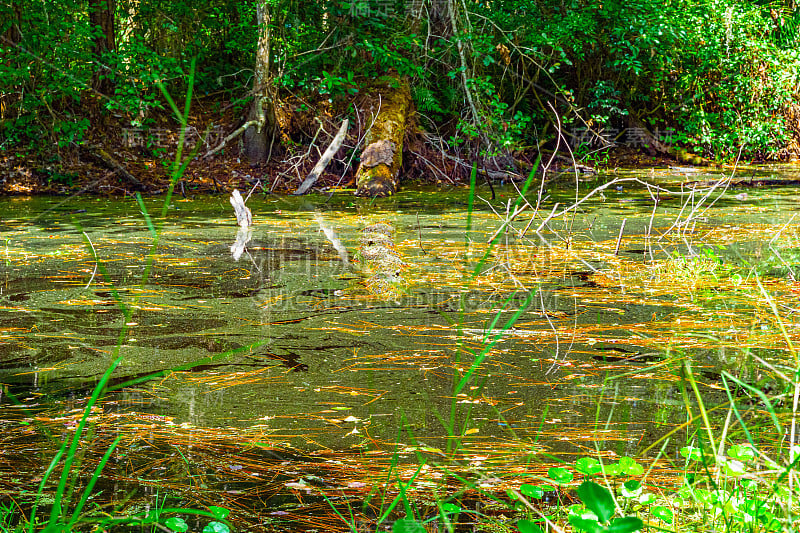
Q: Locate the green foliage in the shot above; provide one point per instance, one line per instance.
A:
(560, 475)
(605, 102)
(527, 526)
(733, 83)
(407, 525)
(716, 71)
(721, 73)
(56, 175)
(337, 85)
(602, 508)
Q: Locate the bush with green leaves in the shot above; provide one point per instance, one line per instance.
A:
(720, 73)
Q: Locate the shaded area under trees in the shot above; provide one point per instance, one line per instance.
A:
(487, 82)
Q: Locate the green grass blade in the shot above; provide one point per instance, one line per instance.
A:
(56, 459)
(92, 481)
(146, 216)
(402, 496)
(56, 511)
(700, 405)
(350, 522)
(528, 181)
(482, 355)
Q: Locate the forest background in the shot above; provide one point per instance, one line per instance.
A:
(84, 85)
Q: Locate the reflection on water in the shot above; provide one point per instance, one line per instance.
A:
(291, 349)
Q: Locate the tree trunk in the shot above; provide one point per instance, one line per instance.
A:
(101, 19)
(9, 40)
(258, 138)
(382, 156)
(13, 35)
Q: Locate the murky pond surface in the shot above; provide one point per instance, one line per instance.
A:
(564, 341)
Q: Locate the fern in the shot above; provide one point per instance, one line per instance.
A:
(787, 25)
(426, 100)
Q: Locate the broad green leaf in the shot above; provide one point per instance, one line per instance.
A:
(219, 513)
(632, 484)
(628, 524)
(407, 525)
(631, 488)
(613, 469)
(575, 509)
(177, 524)
(741, 452)
(704, 496)
(581, 524)
(692, 453)
(531, 491)
(587, 466)
(216, 527)
(560, 475)
(662, 513)
(770, 523)
(526, 526)
(597, 499)
(735, 468)
(630, 467)
(748, 484)
(450, 508)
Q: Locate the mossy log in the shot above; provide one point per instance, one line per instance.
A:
(382, 156)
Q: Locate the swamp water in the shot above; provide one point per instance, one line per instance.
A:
(301, 377)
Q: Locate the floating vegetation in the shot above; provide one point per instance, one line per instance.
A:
(381, 263)
(583, 376)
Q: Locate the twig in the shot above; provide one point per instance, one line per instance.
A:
(509, 219)
(476, 118)
(361, 138)
(252, 190)
(94, 253)
(604, 187)
(648, 247)
(230, 137)
(299, 159)
(259, 121)
(419, 234)
(619, 237)
(432, 166)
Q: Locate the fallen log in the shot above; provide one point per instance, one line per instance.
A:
(108, 160)
(382, 157)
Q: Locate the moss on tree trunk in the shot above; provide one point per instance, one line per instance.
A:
(382, 156)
